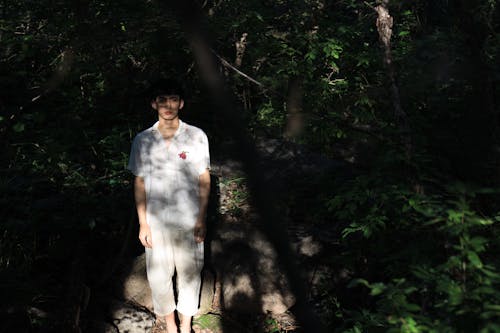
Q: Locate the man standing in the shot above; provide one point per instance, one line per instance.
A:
(171, 164)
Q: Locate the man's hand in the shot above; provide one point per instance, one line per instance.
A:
(145, 235)
(200, 228)
(200, 231)
(140, 203)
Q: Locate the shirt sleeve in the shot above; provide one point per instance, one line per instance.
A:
(135, 162)
(204, 160)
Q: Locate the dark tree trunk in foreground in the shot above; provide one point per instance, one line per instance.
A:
(273, 224)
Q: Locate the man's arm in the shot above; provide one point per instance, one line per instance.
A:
(140, 204)
(200, 228)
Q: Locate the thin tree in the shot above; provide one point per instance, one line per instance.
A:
(384, 25)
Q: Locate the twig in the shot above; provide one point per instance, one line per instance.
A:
(264, 88)
(369, 5)
(227, 64)
(111, 175)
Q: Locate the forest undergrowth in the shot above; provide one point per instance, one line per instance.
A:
(403, 95)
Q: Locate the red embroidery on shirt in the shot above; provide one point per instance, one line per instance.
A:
(183, 155)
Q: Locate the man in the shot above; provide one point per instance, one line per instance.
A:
(171, 164)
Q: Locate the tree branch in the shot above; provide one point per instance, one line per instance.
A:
(227, 64)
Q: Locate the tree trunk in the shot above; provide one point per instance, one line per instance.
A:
(384, 27)
(241, 46)
(295, 117)
(273, 223)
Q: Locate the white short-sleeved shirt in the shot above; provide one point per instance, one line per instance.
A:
(171, 175)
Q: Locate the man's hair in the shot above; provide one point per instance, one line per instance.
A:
(165, 87)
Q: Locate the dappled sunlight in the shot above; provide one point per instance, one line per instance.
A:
(357, 163)
(170, 178)
(244, 262)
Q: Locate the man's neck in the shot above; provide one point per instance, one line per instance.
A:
(172, 124)
(168, 128)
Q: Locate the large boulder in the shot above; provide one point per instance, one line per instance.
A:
(246, 265)
(127, 318)
(135, 285)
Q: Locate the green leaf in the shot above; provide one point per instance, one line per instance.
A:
(492, 307)
(311, 55)
(485, 290)
(478, 243)
(490, 273)
(455, 295)
(377, 288)
(474, 259)
(18, 127)
(411, 307)
(356, 282)
(483, 221)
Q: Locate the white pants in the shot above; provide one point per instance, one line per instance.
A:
(174, 249)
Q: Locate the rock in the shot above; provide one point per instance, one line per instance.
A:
(127, 318)
(135, 286)
(246, 266)
(207, 292)
(101, 326)
(309, 247)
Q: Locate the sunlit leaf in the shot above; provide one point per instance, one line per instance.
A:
(474, 259)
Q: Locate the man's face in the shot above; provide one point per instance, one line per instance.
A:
(167, 106)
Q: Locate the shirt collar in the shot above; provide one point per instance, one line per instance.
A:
(180, 129)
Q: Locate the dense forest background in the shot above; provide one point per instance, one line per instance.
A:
(412, 116)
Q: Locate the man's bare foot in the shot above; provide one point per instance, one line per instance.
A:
(171, 328)
(171, 324)
(165, 324)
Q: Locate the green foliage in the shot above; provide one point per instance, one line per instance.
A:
(208, 321)
(434, 257)
(272, 326)
(268, 116)
(237, 197)
(416, 240)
